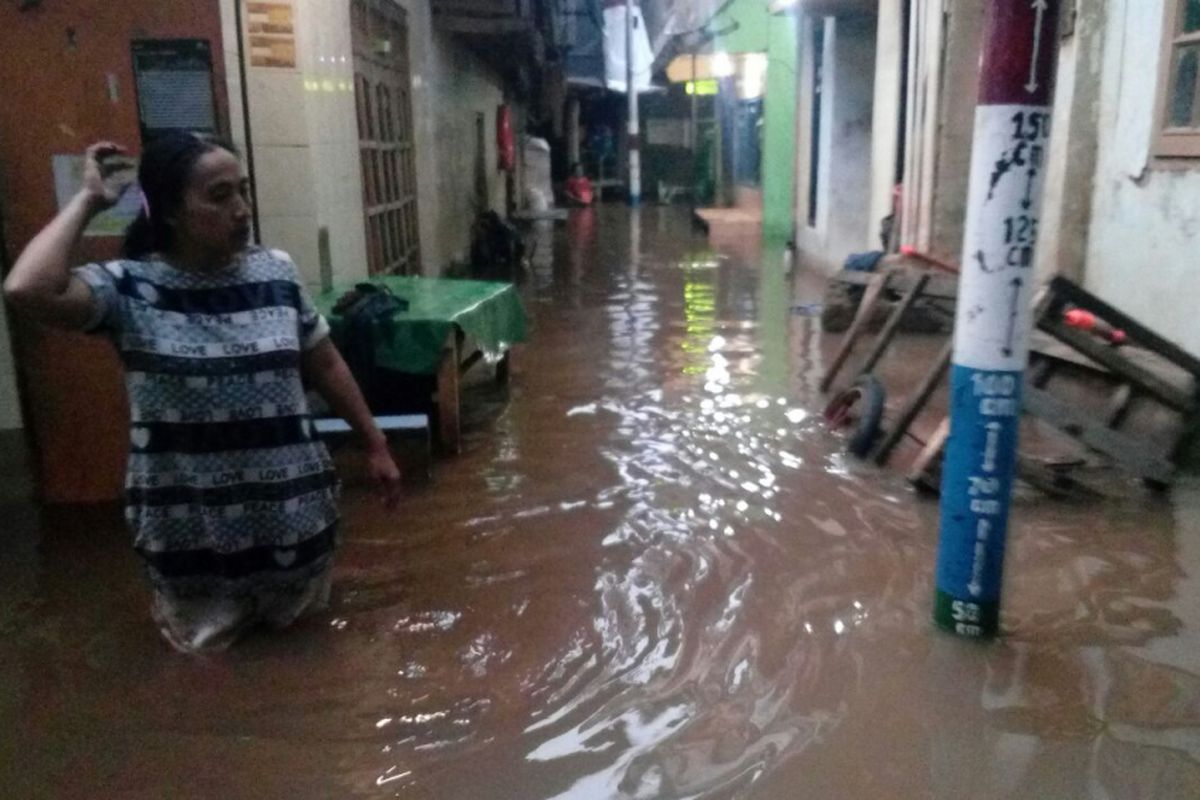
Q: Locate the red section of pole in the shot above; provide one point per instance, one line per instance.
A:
(1018, 68)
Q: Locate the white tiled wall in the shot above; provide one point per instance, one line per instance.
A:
(328, 64)
(305, 138)
(296, 236)
(285, 180)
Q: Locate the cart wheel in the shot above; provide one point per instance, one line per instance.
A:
(859, 411)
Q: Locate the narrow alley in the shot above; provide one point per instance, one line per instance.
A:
(650, 574)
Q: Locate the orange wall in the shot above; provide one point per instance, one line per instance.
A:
(54, 63)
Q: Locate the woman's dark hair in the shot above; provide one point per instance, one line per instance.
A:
(163, 174)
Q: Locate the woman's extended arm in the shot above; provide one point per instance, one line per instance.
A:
(40, 284)
(325, 370)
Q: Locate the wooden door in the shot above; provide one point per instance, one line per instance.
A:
(67, 73)
(383, 96)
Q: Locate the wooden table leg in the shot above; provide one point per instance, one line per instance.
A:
(504, 368)
(926, 470)
(448, 396)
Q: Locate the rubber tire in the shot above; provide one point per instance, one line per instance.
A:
(867, 394)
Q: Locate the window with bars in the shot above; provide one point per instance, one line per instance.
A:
(1179, 115)
(382, 92)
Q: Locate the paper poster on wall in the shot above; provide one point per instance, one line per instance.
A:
(271, 29)
(68, 179)
(174, 85)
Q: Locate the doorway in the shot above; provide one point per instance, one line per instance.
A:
(383, 98)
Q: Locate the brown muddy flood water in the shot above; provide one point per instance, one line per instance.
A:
(651, 574)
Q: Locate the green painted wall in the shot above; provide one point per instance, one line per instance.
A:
(752, 32)
(758, 32)
(779, 134)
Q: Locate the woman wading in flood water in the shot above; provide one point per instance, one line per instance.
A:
(231, 498)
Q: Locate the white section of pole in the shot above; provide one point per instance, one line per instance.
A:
(635, 157)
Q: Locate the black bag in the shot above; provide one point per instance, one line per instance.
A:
(365, 308)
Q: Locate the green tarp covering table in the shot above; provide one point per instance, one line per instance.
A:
(427, 338)
(489, 313)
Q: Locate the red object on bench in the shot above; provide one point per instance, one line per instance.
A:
(1087, 321)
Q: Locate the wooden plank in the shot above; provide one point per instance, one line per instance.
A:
(1049, 480)
(504, 369)
(1121, 366)
(914, 405)
(942, 287)
(1119, 405)
(1125, 450)
(1137, 332)
(1042, 372)
(1044, 303)
(893, 324)
(465, 366)
(870, 299)
(926, 472)
(930, 456)
(1045, 346)
(449, 430)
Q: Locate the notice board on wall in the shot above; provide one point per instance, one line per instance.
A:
(174, 82)
(272, 31)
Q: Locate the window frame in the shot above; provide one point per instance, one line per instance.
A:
(1173, 144)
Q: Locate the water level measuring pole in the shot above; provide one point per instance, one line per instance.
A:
(994, 313)
(635, 145)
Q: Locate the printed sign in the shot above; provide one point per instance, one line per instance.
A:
(271, 30)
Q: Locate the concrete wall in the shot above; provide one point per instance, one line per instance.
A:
(845, 142)
(1072, 154)
(1145, 226)
(954, 129)
(885, 118)
(451, 87)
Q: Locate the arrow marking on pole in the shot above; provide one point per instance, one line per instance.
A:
(1027, 200)
(1016, 285)
(1040, 6)
(992, 447)
(975, 587)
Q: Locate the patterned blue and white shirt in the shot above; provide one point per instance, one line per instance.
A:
(223, 456)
